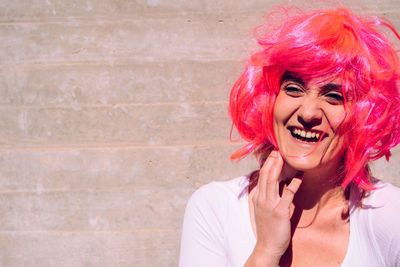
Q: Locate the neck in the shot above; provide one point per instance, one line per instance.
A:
(319, 192)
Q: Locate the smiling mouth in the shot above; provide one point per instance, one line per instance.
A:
(309, 136)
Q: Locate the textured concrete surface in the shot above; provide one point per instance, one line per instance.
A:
(111, 114)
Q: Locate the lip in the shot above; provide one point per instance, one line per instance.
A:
(310, 140)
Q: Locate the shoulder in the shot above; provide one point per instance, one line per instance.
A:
(203, 240)
(385, 198)
(216, 195)
(228, 188)
(382, 206)
(212, 203)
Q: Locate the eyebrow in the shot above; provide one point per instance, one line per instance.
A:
(331, 87)
(290, 76)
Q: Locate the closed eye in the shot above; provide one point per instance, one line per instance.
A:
(334, 97)
(293, 90)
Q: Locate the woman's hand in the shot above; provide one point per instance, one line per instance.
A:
(272, 213)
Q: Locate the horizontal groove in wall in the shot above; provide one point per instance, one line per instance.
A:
(152, 15)
(188, 17)
(112, 61)
(41, 232)
(82, 190)
(118, 146)
(111, 105)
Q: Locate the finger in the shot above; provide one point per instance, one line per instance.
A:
(264, 180)
(269, 174)
(275, 174)
(289, 192)
(254, 198)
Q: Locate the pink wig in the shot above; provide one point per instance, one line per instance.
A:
(325, 44)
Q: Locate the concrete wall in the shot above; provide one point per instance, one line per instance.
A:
(112, 113)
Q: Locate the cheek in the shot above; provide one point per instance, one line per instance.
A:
(281, 107)
(284, 109)
(336, 115)
(337, 150)
(278, 118)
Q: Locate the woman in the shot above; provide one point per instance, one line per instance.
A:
(316, 105)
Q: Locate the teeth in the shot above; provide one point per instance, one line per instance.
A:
(306, 134)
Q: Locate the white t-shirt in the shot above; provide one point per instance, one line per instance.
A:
(217, 228)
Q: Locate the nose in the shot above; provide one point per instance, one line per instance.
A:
(309, 113)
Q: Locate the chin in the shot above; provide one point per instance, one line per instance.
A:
(302, 163)
(313, 164)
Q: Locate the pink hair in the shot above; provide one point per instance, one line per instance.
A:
(325, 43)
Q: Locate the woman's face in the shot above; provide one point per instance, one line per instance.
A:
(306, 119)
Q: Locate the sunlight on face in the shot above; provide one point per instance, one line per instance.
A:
(306, 119)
